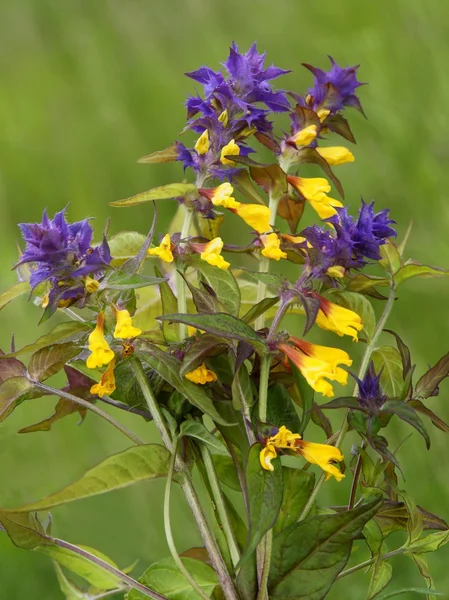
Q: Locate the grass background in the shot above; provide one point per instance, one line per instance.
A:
(89, 86)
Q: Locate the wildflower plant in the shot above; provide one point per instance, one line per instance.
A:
(186, 329)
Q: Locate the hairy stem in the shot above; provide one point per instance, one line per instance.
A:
(278, 318)
(85, 404)
(122, 406)
(264, 262)
(180, 283)
(210, 544)
(370, 561)
(219, 501)
(363, 368)
(265, 363)
(126, 579)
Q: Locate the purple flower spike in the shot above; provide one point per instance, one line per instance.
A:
(370, 395)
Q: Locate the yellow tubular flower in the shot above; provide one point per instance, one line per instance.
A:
(318, 364)
(322, 455)
(124, 328)
(256, 216)
(163, 251)
(325, 206)
(338, 319)
(266, 456)
(212, 254)
(284, 438)
(230, 149)
(336, 155)
(106, 384)
(101, 352)
(91, 285)
(202, 143)
(314, 190)
(305, 136)
(323, 113)
(201, 375)
(222, 196)
(272, 247)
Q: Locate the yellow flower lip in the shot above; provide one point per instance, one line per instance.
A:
(201, 375)
(101, 353)
(272, 247)
(106, 384)
(164, 250)
(256, 216)
(202, 143)
(221, 195)
(338, 319)
(124, 328)
(212, 254)
(231, 149)
(314, 190)
(336, 155)
(303, 137)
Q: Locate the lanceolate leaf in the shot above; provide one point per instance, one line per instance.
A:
(405, 412)
(393, 516)
(404, 351)
(259, 309)
(50, 360)
(429, 382)
(413, 269)
(280, 408)
(265, 494)
(308, 556)
(123, 280)
(365, 284)
(161, 156)
(388, 360)
(169, 368)
(165, 578)
(223, 284)
(164, 192)
(419, 407)
(246, 187)
(298, 485)
(169, 304)
(124, 246)
(429, 543)
(271, 178)
(220, 324)
(198, 431)
(14, 292)
(63, 332)
(10, 392)
(380, 578)
(139, 463)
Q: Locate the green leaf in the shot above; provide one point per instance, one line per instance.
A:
(259, 309)
(227, 472)
(24, 530)
(241, 389)
(205, 300)
(220, 324)
(343, 402)
(50, 360)
(169, 305)
(414, 590)
(298, 486)
(169, 368)
(271, 178)
(393, 516)
(265, 494)
(275, 282)
(280, 408)
(419, 407)
(429, 543)
(164, 192)
(124, 246)
(246, 187)
(414, 269)
(423, 567)
(222, 282)
(122, 280)
(10, 392)
(197, 430)
(380, 578)
(407, 413)
(360, 305)
(339, 125)
(161, 156)
(165, 578)
(308, 556)
(68, 331)
(366, 284)
(203, 347)
(391, 260)
(68, 588)
(63, 409)
(306, 394)
(14, 292)
(430, 381)
(388, 359)
(133, 465)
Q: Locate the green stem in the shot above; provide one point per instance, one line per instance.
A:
(370, 561)
(355, 481)
(267, 545)
(92, 407)
(180, 283)
(168, 529)
(363, 368)
(219, 501)
(210, 544)
(265, 363)
(264, 262)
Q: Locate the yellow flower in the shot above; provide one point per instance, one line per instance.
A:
(124, 328)
(106, 384)
(314, 190)
(323, 113)
(336, 272)
(336, 155)
(266, 456)
(91, 285)
(224, 117)
(201, 375)
(318, 364)
(256, 216)
(230, 149)
(338, 319)
(322, 455)
(212, 254)
(305, 136)
(222, 196)
(163, 250)
(202, 143)
(101, 352)
(272, 247)
(316, 454)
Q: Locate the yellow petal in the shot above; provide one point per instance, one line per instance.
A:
(230, 149)
(338, 319)
(91, 285)
(256, 216)
(101, 353)
(323, 113)
(222, 196)
(223, 118)
(266, 456)
(305, 136)
(124, 328)
(201, 375)
(284, 438)
(272, 247)
(336, 155)
(322, 455)
(202, 143)
(106, 384)
(324, 206)
(163, 251)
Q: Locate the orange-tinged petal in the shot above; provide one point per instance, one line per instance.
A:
(338, 319)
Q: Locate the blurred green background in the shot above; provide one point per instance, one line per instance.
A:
(87, 87)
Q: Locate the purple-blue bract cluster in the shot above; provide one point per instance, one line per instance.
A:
(62, 254)
(370, 395)
(352, 242)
